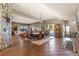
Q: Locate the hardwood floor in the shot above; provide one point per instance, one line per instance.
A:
(21, 47)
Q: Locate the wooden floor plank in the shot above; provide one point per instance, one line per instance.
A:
(20, 47)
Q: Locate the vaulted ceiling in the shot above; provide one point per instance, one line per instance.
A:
(45, 11)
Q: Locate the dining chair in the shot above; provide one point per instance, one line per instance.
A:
(40, 36)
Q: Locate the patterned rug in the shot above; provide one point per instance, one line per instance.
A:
(40, 42)
(69, 45)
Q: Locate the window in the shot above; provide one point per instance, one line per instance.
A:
(67, 28)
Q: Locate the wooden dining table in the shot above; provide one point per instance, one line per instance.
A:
(36, 33)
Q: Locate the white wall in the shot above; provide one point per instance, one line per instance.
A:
(72, 24)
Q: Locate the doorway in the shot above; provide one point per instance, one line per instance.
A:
(50, 27)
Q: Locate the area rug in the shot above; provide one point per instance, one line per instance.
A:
(40, 42)
(69, 45)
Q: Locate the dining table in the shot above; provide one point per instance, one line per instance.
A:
(35, 33)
